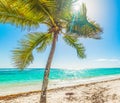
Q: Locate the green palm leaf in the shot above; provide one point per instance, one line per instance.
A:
(73, 42)
(41, 5)
(45, 7)
(22, 56)
(64, 10)
(63, 5)
(83, 27)
(17, 13)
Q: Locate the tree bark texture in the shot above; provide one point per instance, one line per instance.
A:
(47, 70)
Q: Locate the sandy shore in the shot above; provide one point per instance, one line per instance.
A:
(98, 90)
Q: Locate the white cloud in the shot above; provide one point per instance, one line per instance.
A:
(107, 60)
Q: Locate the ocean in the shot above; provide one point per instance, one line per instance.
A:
(12, 75)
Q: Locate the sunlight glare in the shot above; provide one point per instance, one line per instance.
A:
(76, 6)
(94, 9)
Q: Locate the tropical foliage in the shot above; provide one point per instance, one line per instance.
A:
(23, 55)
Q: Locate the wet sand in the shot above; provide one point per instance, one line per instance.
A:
(94, 91)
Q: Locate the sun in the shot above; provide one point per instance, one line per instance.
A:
(95, 8)
(77, 5)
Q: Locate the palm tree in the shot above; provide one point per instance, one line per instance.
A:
(57, 15)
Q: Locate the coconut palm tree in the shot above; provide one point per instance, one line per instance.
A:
(58, 16)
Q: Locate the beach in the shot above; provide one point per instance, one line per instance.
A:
(95, 90)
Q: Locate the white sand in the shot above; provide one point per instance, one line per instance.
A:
(95, 90)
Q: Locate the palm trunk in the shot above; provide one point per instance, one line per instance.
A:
(47, 70)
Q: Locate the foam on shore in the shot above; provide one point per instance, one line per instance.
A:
(36, 86)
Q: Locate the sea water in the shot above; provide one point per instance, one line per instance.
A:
(13, 75)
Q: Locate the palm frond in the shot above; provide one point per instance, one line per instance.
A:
(83, 27)
(22, 56)
(64, 9)
(42, 46)
(73, 42)
(39, 5)
(83, 11)
(91, 30)
(46, 7)
(17, 13)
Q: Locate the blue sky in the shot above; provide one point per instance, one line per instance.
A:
(100, 53)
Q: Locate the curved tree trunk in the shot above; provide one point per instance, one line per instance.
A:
(47, 70)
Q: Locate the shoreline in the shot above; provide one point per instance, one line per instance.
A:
(88, 82)
(18, 88)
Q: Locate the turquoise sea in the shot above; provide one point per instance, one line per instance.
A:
(12, 75)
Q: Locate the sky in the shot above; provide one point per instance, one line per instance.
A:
(100, 53)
